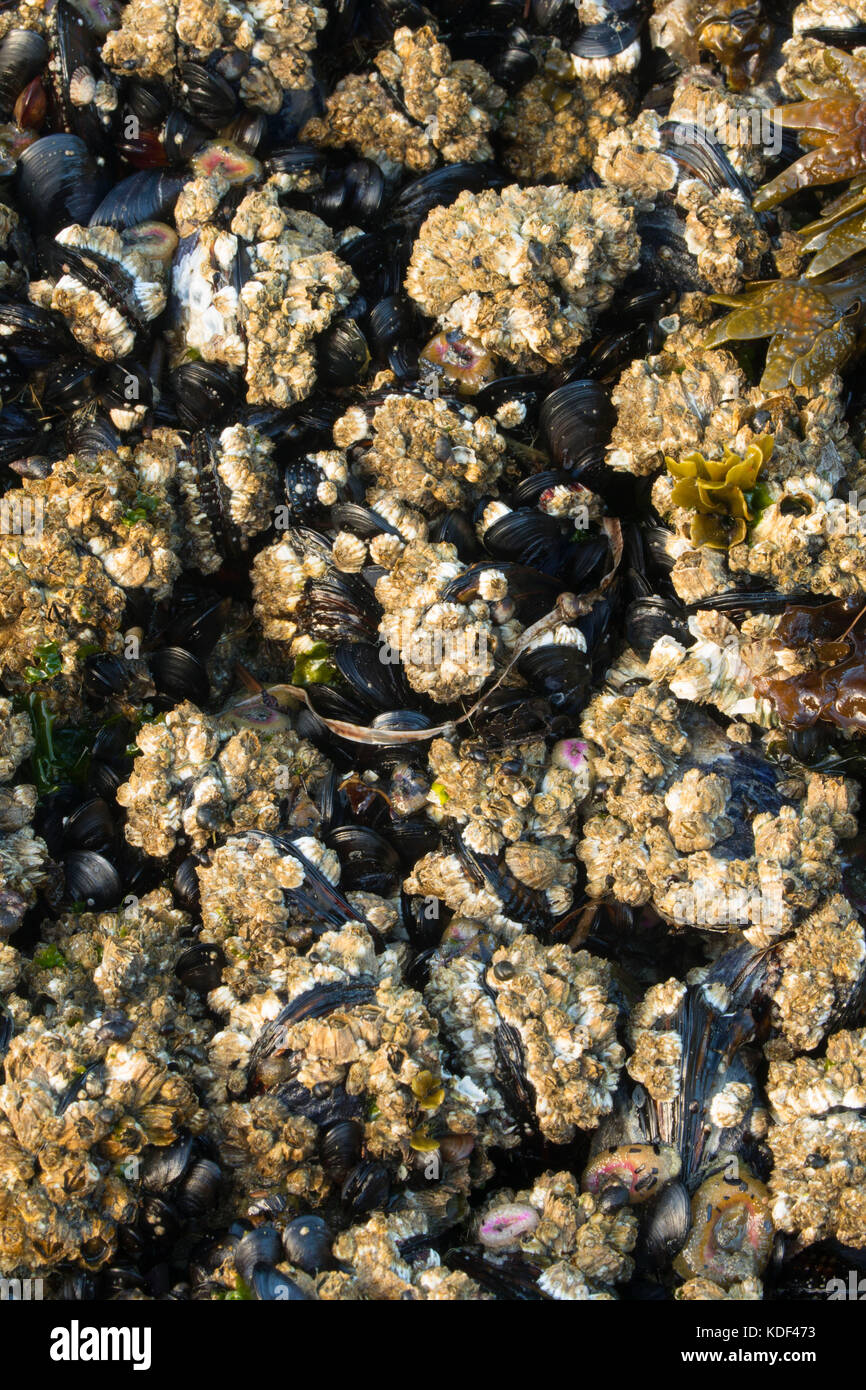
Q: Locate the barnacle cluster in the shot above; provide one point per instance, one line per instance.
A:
(524, 271)
(432, 650)
(416, 108)
(667, 824)
(296, 284)
(199, 779)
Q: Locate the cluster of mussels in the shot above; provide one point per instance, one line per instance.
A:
(432, 648)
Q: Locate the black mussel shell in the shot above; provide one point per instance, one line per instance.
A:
(328, 703)
(403, 361)
(103, 779)
(23, 54)
(343, 354)
(200, 968)
(7, 1028)
(361, 521)
(808, 744)
(367, 1188)
(526, 388)
(197, 624)
(115, 1026)
(412, 837)
(259, 1247)
(178, 675)
(247, 130)
(185, 885)
(851, 36)
(182, 137)
(105, 675)
(307, 1243)
(92, 880)
(455, 528)
(576, 421)
(164, 1167)
(126, 387)
(546, 13)
(91, 826)
(508, 57)
(534, 538)
(113, 739)
(158, 1224)
(403, 719)
(324, 1104)
(69, 386)
(338, 607)
(270, 1286)
(90, 434)
(199, 1188)
(648, 619)
(96, 272)
(561, 674)
(528, 490)
(76, 46)
(352, 195)
(667, 1226)
(147, 196)
(20, 433)
(31, 334)
(59, 182)
(302, 479)
(607, 39)
(207, 96)
(340, 1147)
(391, 320)
(657, 542)
(300, 159)
(377, 683)
(148, 102)
(699, 155)
(369, 863)
(664, 253)
(439, 189)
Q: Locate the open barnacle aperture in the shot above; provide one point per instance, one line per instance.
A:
(812, 324)
(719, 492)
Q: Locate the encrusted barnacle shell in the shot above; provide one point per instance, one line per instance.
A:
(672, 834)
(106, 294)
(430, 454)
(196, 778)
(819, 1141)
(585, 242)
(418, 107)
(294, 286)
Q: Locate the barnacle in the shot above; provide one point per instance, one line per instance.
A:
(811, 323)
(833, 122)
(719, 491)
